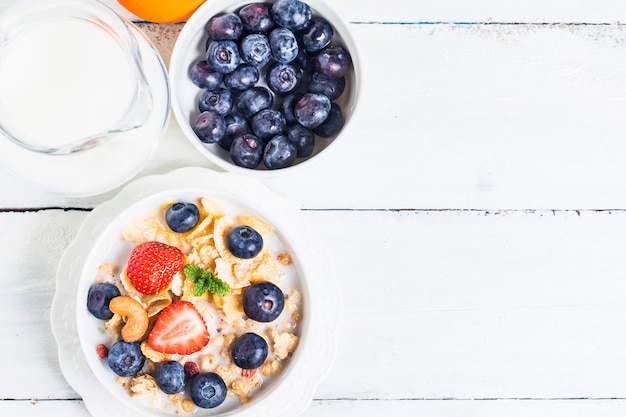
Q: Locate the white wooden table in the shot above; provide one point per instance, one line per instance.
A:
(477, 215)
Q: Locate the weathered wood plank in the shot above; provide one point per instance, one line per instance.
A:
(438, 305)
(459, 116)
(554, 11)
(341, 408)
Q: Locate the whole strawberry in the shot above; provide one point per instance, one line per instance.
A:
(152, 266)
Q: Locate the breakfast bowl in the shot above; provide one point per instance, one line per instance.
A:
(235, 347)
(259, 92)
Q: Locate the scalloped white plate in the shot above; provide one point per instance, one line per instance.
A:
(289, 396)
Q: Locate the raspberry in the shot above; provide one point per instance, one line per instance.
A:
(191, 369)
(102, 351)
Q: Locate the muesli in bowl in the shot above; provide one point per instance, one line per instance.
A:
(191, 303)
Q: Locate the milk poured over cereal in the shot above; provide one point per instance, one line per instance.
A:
(205, 246)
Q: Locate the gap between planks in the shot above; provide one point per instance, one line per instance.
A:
(324, 400)
(394, 210)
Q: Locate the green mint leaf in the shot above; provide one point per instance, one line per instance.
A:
(205, 281)
(219, 287)
(193, 272)
(202, 286)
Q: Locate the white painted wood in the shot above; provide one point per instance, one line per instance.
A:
(437, 305)
(448, 309)
(31, 246)
(490, 117)
(447, 408)
(342, 408)
(494, 116)
(476, 305)
(551, 11)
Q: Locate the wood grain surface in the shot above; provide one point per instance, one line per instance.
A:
(476, 215)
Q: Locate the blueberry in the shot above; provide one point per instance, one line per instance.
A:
(305, 61)
(219, 100)
(224, 26)
(249, 351)
(333, 123)
(291, 14)
(223, 56)
(226, 142)
(126, 359)
(279, 152)
(267, 123)
(330, 87)
(333, 62)
(318, 35)
(287, 105)
(98, 298)
(170, 377)
(263, 301)
(284, 45)
(247, 151)
(236, 125)
(253, 100)
(303, 138)
(256, 18)
(312, 109)
(242, 78)
(283, 78)
(203, 76)
(244, 242)
(255, 49)
(207, 390)
(182, 216)
(210, 127)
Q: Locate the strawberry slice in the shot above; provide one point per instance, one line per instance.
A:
(152, 266)
(179, 329)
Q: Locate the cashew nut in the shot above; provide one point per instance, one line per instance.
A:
(136, 317)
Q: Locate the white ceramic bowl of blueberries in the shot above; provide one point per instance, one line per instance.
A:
(263, 88)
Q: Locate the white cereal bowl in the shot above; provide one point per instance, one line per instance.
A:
(78, 333)
(190, 49)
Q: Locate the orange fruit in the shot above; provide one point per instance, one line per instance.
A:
(162, 11)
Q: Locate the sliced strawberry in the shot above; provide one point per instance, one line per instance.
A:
(179, 329)
(152, 266)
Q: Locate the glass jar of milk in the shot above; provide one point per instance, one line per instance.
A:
(84, 96)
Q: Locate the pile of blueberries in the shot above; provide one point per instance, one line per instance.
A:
(303, 70)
